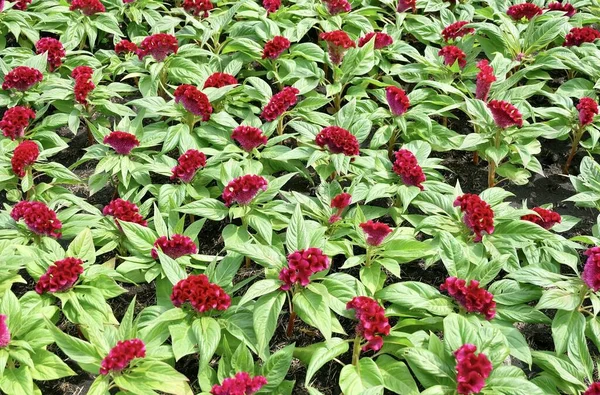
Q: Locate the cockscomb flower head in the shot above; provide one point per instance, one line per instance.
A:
(121, 142)
(275, 47)
(376, 232)
(471, 370)
(382, 40)
(478, 215)
(524, 10)
(25, 155)
(339, 202)
(15, 120)
(21, 78)
(567, 8)
(201, 294)
(453, 54)
(372, 322)
(87, 7)
(407, 167)
(248, 137)
(38, 217)
(125, 47)
(159, 46)
(188, 164)
(591, 270)
(397, 100)
(243, 189)
(194, 101)
(593, 389)
(4, 332)
(485, 78)
(580, 35)
(271, 5)
(280, 103)
(54, 48)
(338, 42)
(456, 30)
(121, 355)
(335, 7)
(219, 80)
(301, 265)
(83, 83)
(175, 247)
(61, 276)
(241, 384)
(587, 108)
(338, 140)
(471, 297)
(545, 218)
(124, 210)
(21, 5)
(405, 5)
(198, 7)
(505, 114)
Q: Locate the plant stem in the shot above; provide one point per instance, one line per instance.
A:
(280, 126)
(574, 146)
(290, 327)
(337, 101)
(476, 157)
(190, 121)
(391, 145)
(368, 263)
(356, 351)
(492, 165)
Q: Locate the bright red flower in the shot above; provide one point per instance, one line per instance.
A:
(121, 142)
(124, 210)
(453, 54)
(397, 100)
(55, 51)
(194, 101)
(340, 202)
(38, 218)
(188, 164)
(21, 5)
(280, 103)
(335, 7)
(197, 7)
(219, 80)
(201, 294)
(271, 5)
(405, 5)
(471, 297)
(505, 114)
(61, 276)
(175, 247)
(456, 30)
(87, 7)
(249, 137)
(159, 46)
(241, 384)
(524, 10)
(580, 35)
(471, 370)
(15, 120)
(376, 232)
(591, 271)
(275, 47)
(25, 155)
(338, 42)
(485, 78)
(588, 108)
(594, 389)
(21, 78)
(125, 46)
(4, 332)
(479, 216)
(243, 189)
(545, 218)
(121, 355)
(338, 140)
(407, 167)
(567, 8)
(382, 40)
(372, 321)
(301, 265)
(83, 83)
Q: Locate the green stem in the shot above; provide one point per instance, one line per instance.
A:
(337, 101)
(356, 351)
(492, 165)
(280, 126)
(368, 263)
(391, 145)
(190, 120)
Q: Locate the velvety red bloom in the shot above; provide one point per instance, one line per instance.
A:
(479, 216)
(591, 271)
(505, 114)
(524, 10)
(456, 29)
(194, 101)
(407, 167)
(38, 218)
(197, 7)
(125, 46)
(405, 5)
(339, 202)
(397, 100)
(280, 103)
(128, 1)
(15, 120)
(121, 355)
(382, 40)
(188, 164)
(567, 8)
(61, 276)
(21, 78)
(175, 247)
(83, 83)
(241, 384)
(594, 389)
(82, 72)
(275, 47)
(580, 35)
(301, 265)
(588, 108)
(471, 297)
(87, 7)
(372, 321)
(243, 189)
(334, 7)
(453, 54)
(471, 370)
(4, 332)
(21, 5)
(121, 142)
(545, 218)
(338, 140)
(124, 210)
(1, 9)
(200, 293)
(219, 80)
(376, 232)
(249, 137)
(55, 50)
(338, 42)
(159, 46)
(25, 155)
(271, 5)
(485, 78)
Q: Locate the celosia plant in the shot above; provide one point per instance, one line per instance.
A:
(471, 370)
(407, 167)
(87, 7)
(121, 356)
(188, 165)
(373, 324)
(174, 247)
(240, 384)
(83, 83)
(335, 7)
(485, 79)
(125, 47)
(338, 141)
(193, 101)
(505, 114)
(478, 215)
(219, 80)
(280, 103)
(159, 46)
(38, 217)
(275, 47)
(60, 276)
(301, 265)
(406, 5)
(593, 389)
(248, 137)
(15, 120)
(4, 332)
(202, 295)
(339, 202)
(523, 11)
(471, 297)
(565, 7)
(243, 189)
(452, 54)
(338, 42)
(121, 142)
(22, 78)
(198, 7)
(580, 35)
(382, 40)
(544, 218)
(124, 210)
(271, 5)
(54, 48)
(375, 232)
(25, 155)
(591, 270)
(456, 30)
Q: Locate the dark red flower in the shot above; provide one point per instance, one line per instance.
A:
(188, 164)
(175, 247)
(372, 321)
(376, 232)
(21, 78)
(201, 294)
(87, 7)
(197, 7)
(219, 80)
(275, 47)
(339, 202)
(524, 10)
(243, 189)
(249, 137)
(271, 5)
(505, 114)
(567, 8)
(301, 265)
(485, 78)
(121, 355)
(479, 216)
(452, 54)
(397, 100)
(594, 389)
(25, 155)
(241, 384)
(334, 7)
(121, 142)
(588, 108)
(55, 51)
(471, 297)
(382, 40)
(194, 101)
(407, 167)
(580, 35)
(15, 120)
(471, 370)
(159, 46)
(4, 331)
(124, 210)
(545, 218)
(338, 140)
(125, 46)
(21, 5)
(338, 42)
(61, 276)
(280, 103)
(456, 30)
(405, 5)
(591, 271)
(38, 218)
(83, 83)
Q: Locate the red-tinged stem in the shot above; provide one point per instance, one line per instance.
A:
(476, 158)
(391, 145)
(290, 326)
(574, 146)
(248, 262)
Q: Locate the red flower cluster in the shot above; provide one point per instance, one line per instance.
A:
(407, 167)
(159, 46)
(339, 202)
(471, 370)
(125, 46)
(397, 100)
(485, 78)
(243, 189)
(83, 83)
(545, 218)
(21, 78)
(4, 332)
(188, 164)
(271, 5)
(219, 80)
(338, 140)
(194, 101)
(338, 42)
(334, 7)
(587, 108)
(456, 30)
(25, 155)
(61, 276)
(249, 137)
(280, 103)
(567, 8)
(201, 294)
(55, 50)
(275, 47)
(175, 247)
(301, 265)
(241, 384)
(580, 35)
(382, 40)
(197, 7)
(15, 120)
(594, 389)
(591, 271)
(453, 54)
(38, 218)
(121, 355)
(375, 231)
(479, 216)
(22, 5)
(124, 210)
(87, 7)
(405, 5)
(471, 297)
(524, 10)
(121, 142)
(505, 114)
(372, 321)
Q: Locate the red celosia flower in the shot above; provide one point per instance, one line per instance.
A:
(485, 78)
(524, 10)
(15, 120)
(219, 80)
(594, 389)
(1, 9)
(280, 103)
(82, 72)
(340, 202)
(124, 210)
(334, 7)
(38, 218)
(338, 140)
(249, 137)
(121, 355)
(479, 216)
(407, 167)
(55, 50)
(587, 109)
(121, 142)
(194, 101)
(4, 332)
(505, 114)
(580, 35)
(197, 7)
(21, 78)
(567, 8)
(243, 189)
(21, 5)
(83, 83)
(125, 46)
(404, 5)
(159, 46)
(175, 247)
(128, 1)
(24, 156)
(456, 29)
(275, 47)
(382, 40)
(241, 384)
(372, 321)
(397, 100)
(271, 5)
(376, 232)
(61, 276)
(453, 54)
(338, 43)
(188, 164)
(87, 7)
(471, 297)
(471, 370)
(591, 271)
(201, 294)
(545, 218)
(301, 265)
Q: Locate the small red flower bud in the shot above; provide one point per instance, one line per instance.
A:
(405, 5)
(83, 83)
(4, 332)
(159, 46)
(241, 384)
(339, 202)
(87, 7)
(54, 48)
(471, 370)
(219, 80)
(124, 210)
(479, 216)
(175, 247)
(397, 100)
(275, 47)
(121, 355)
(545, 218)
(198, 7)
(456, 30)
(376, 232)
(524, 10)
(249, 137)
(125, 46)
(580, 35)
(594, 389)
(591, 270)
(505, 114)
(382, 40)
(335, 7)
(121, 142)
(194, 101)
(588, 108)
(280, 103)
(407, 167)
(271, 5)
(567, 8)
(452, 54)
(485, 78)
(471, 297)
(338, 42)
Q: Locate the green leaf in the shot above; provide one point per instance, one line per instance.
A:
(354, 380)
(428, 367)
(396, 376)
(559, 299)
(265, 317)
(296, 236)
(313, 309)
(453, 255)
(100, 386)
(207, 208)
(208, 335)
(258, 289)
(82, 247)
(323, 354)
(17, 381)
(78, 350)
(276, 368)
(171, 268)
(358, 61)
(48, 366)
